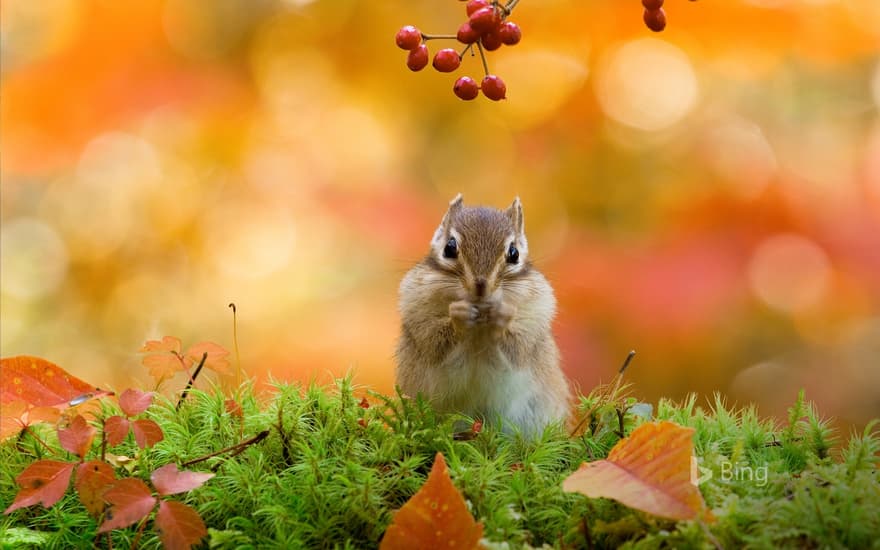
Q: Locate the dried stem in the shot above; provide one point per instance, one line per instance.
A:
(192, 380)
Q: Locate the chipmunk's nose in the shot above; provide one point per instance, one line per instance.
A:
(480, 286)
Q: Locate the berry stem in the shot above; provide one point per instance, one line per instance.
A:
(508, 7)
(466, 49)
(483, 56)
(439, 36)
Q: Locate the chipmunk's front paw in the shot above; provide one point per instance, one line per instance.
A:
(499, 315)
(463, 314)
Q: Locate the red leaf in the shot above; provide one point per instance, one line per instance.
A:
(77, 438)
(168, 480)
(41, 384)
(115, 429)
(146, 432)
(179, 525)
(131, 501)
(162, 365)
(44, 481)
(18, 415)
(216, 356)
(233, 408)
(168, 343)
(92, 479)
(134, 402)
(364, 404)
(435, 517)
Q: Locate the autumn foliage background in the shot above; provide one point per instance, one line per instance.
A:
(709, 195)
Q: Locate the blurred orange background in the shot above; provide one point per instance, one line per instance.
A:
(708, 195)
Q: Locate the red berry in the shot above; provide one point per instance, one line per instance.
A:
(655, 19)
(491, 41)
(484, 20)
(652, 4)
(510, 33)
(447, 60)
(466, 88)
(474, 5)
(417, 58)
(467, 35)
(493, 87)
(408, 38)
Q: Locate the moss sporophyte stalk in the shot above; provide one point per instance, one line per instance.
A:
(331, 473)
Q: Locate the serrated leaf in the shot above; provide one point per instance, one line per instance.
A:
(179, 525)
(116, 429)
(92, 479)
(162, 365)
(168, 480)
(133, 402)
(44, 481)
(167, 343)
(146, 432)
(435, 517)
(216, 360)
(77, 438)
(649, 471)
(130, 501)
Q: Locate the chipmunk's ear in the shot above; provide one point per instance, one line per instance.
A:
(515, 213)
(455, 205)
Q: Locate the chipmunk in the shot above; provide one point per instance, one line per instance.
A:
(475, 323)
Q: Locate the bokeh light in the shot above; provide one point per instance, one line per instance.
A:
(709, 196)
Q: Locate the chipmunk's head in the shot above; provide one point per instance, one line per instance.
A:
(484, 248)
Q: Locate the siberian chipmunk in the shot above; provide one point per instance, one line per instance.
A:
(476, 318)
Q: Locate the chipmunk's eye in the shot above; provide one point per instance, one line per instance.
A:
(512, 254)
(451, 249)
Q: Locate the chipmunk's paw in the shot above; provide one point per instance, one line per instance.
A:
(498, 314)
(463, 314)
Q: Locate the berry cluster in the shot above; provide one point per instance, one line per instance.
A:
(487, 28)
(654, 16)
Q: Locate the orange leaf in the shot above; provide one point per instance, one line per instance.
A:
(179, 525)
(168, 343)
(435, 517)
(40, 383)
(234, 408)
(77, 438)
(216, 356)
(92, 479)
(163, 365)
(649, 471)
(44, 481)
(146, 432)
(131, 502)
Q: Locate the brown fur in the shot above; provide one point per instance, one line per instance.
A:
(476, 331)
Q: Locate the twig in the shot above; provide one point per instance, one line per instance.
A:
(237, 448)
(192, 380)
(235, 345)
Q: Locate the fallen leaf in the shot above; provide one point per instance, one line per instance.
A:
(77, 438)
(44, 481)
(364, 404)
(168, 480)
(133, 402)
(146, 432)
(649, 471)
(167, 343)
(179, 525)
(116, 429)
(216, 360)
(131, 501)
(40, 383)
(92, 479)
(435, 517)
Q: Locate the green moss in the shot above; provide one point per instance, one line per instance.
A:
(323, 480)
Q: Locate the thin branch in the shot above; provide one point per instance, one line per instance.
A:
(192, 380)
(237, 448)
